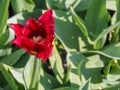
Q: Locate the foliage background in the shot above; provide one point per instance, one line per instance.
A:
(86, 50)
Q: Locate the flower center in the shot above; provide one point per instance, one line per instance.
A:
(37, 39)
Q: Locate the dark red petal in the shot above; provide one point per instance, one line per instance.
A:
(47, 18)
(44, 55)
(17, 28)
(31, 23)
(44, 50)
(26, 31)
(50, 30)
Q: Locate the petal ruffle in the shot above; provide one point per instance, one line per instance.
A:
(17, 28)
(47, 18)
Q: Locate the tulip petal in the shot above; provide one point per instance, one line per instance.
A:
(17, 28)
(47, 18)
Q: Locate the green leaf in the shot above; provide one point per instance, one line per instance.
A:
(67, 88)
(5, 51)
(22, 5)
(81, 24)
(21, 17)
(31, 73)
(4, 4)
(107, 68)
(116, 18)
(96, 18)
(48, 4)
(5, 71)
(6, 37)
(56, 64)
(12, 58)
(18, 75)
(107, 30)
(113, 51)
(82, 5)
(86, 86)
(3, 38)
(111, 5)
(74, 60)
(67, 75)
(22, 60)
(118, 10)
(40, 4)
(47, 81)
(83, 69)
(68, 33)
(112, 87)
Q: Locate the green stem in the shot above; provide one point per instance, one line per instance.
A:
(36, 74)
(67, 75)
(115, 37)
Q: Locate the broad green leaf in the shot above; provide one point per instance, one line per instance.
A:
(112, 87)
(6, 37)
(5, 71)
(96, 18)
(111, 5)
(5, 51)
(47, 81)
(48, 4)
(4, 4)
(113, 77)
(18, 75)
(96, 61)
(56, 64)
(21, 17)
(74, 60)
(59, 4)
(31, 73)
(22, 5)
(81, 24)
(67, 88)
(66, 30)
(118, 10)
(86, 86)
(107, 30)
(87, 69)
(40, 4)
(82, 5)
(113, 51)
(3, 38)
(22, 60)
(12, 58)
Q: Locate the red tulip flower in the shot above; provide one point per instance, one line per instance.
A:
(36, 36)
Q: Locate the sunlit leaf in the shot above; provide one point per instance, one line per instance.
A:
(22, 5)
(56, 64)
(4, 4)
(21, 17)
(67, 88)
(12, 58)
(4, 69)
(31, 73)
(69, 32)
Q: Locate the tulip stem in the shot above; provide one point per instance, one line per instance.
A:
(36, 74)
